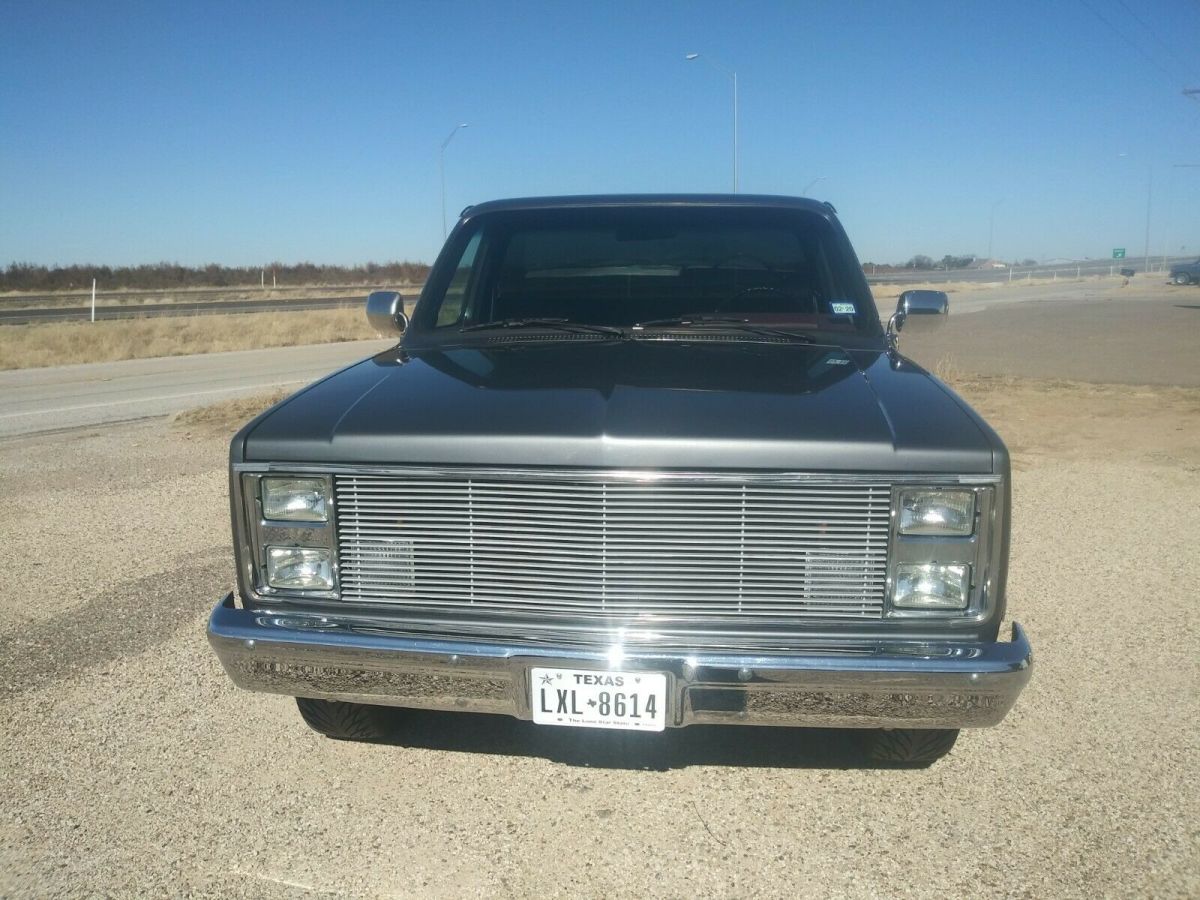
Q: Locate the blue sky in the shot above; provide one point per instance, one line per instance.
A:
(245, 132)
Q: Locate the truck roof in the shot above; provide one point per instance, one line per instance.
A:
(650, 200)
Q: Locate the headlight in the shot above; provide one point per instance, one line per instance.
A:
(937, 513)
(300, 568)
(931, 586)
(294, 500)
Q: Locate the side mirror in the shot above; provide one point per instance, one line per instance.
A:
(924, 303)
(929, 308)
(385, 312)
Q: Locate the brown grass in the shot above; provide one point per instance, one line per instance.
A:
(1072, 420)
(63, 343)
(215, 296)
(949, 371)
(226, 417)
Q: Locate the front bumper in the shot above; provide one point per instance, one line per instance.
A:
(901, 685)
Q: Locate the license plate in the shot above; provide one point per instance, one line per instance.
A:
(583, 698)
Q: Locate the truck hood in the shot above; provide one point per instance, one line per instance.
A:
(731, 404)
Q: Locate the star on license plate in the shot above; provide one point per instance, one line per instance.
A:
(584, 698)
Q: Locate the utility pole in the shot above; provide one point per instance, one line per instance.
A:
(1170, 197)
(1149, 192)
(992, 228)
(733, 75)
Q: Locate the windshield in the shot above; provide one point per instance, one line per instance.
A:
(651, 267)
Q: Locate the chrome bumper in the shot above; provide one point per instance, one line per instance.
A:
(946, 685)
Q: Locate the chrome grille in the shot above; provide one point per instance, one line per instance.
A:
(625, 548)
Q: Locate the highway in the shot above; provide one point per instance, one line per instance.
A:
(34, 401)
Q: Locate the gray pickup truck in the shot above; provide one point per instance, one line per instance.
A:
(637, 462)
(1186, 273)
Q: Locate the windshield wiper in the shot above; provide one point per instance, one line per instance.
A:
(734, 322)
(559, 323)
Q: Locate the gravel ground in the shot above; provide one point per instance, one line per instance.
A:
(131, 765)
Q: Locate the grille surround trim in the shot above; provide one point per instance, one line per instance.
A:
(750, 631)
(613, 547)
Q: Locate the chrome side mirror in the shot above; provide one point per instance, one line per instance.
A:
(924, 303)
(929, 308)
(385, 312)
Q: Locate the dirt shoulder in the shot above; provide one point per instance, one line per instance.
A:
(1071, 421)
(131, 765)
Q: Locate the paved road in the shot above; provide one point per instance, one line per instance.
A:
(79, 313)
(52, 399)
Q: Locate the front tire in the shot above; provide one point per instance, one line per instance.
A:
(917, 747)
(1183, 278)
(346, 721)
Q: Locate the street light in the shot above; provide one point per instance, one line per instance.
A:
(1149, 196)
(442, 171)
(992, 227)
(1170, 198)
(732, 74)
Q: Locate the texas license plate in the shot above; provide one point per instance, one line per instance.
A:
(583, 698)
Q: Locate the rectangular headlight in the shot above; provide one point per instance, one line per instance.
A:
(937, 513)
(295, 499)
(931, 586)
(300, 568)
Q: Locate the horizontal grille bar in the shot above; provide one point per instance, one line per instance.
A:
(623, 551)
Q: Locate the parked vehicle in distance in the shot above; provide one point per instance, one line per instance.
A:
(1186, 273)
(637, 462)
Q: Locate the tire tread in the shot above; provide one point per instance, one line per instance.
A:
(911, 746)
(345, 721)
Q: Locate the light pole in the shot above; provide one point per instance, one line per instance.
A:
(1149, 197)
(732, 74)
(992, 227)
(1170, 197)
(442, 171)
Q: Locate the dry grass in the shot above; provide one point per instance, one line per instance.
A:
(227, 416)
(949, 371)
(75, 298)
(63, 343)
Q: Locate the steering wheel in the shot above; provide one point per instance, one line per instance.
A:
(720, 263)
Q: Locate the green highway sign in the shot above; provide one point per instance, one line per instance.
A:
(1118, 252)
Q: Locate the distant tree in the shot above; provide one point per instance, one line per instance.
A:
(920, 261)
(956, 262)
(1029, 262)
(165, 275)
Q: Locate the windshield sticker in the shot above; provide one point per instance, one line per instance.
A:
(841, 308)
